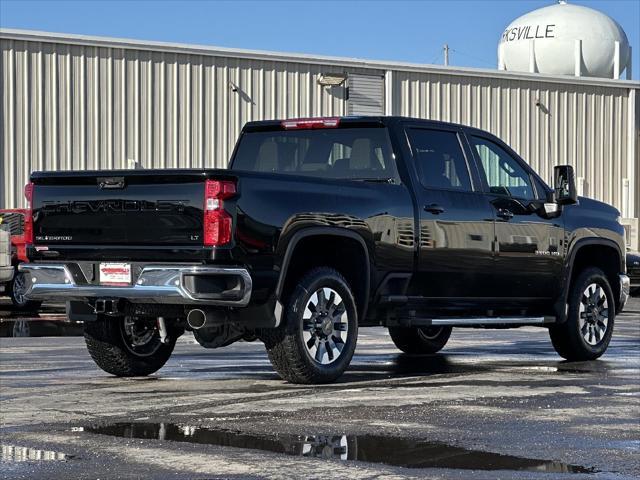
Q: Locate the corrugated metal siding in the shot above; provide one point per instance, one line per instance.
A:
(547, 124)
(73, 107)
(366, 95)
(93, 104)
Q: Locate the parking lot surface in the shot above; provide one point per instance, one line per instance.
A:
(494, 404)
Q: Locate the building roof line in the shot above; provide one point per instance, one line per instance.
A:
(206, 50)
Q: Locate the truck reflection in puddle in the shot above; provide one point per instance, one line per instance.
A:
(398, 451)
(49, 320)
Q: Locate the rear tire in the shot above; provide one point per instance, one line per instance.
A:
(587, 332)
(420, 340)
(118, 351)
(318, 336)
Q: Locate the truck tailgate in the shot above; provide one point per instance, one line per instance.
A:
(124, 208)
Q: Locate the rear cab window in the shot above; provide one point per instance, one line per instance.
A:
(356, 153)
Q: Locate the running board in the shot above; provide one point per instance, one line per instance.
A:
(478, 321)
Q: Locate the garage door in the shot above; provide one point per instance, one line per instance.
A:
(366, 95)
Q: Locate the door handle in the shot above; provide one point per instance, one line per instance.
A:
(505, 214)
(434, 208)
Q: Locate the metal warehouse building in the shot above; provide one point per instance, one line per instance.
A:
(75, 102)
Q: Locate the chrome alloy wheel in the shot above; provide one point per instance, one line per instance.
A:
(140, 338)
(325, 326)
(329, 447)
(594, 314)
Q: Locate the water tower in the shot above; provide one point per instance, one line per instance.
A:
(565, 39)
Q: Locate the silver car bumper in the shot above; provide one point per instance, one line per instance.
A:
(625, 289)
(168, 284)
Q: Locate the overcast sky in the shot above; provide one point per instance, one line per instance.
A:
(412, 31)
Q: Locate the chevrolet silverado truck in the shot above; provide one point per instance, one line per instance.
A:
(319, 227)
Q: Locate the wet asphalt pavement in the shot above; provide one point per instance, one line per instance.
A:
(494, 404)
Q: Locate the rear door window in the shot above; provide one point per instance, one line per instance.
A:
(347, 153)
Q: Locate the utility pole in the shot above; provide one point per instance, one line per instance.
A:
(446, 54)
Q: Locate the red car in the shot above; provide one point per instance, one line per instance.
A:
(15, 288)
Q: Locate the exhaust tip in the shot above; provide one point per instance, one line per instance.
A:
(196, 318)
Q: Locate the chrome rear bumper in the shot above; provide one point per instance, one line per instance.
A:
(167, 284)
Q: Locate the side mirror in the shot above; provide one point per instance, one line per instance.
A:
(564, 185)
(548, 208)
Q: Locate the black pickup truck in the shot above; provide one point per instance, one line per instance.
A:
(319, 227)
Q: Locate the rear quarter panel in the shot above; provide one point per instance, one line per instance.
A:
(271, 208)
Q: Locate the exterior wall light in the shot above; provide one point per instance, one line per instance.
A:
(331, 79)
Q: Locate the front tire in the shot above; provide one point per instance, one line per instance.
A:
(587, 332)
(125, 347)
(420, 340)
(318, 337)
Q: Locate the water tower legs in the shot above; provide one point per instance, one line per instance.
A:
(577, 56)
(532, 57)
(501, 65)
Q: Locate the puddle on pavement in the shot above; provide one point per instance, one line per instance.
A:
(398, 451)
(11, 453)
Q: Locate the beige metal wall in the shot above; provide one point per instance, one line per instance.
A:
(74, 107)
(589, 127)
(88, 103)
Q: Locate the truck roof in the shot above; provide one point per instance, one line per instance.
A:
(350, 120)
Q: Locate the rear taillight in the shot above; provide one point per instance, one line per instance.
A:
(28, 219)
(217, 222)
(308, 123)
